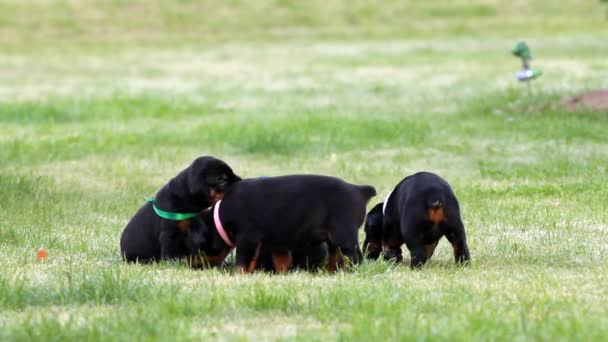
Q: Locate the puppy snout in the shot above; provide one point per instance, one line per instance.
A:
(373, 250)
(215, 195)
(196, 241)
(391, 254)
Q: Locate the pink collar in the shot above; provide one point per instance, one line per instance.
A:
(218, 224)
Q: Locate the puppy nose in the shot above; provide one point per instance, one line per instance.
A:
(388, 255)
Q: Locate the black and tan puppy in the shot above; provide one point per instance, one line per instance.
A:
(418, 212)
(158, 230)
(285, 213)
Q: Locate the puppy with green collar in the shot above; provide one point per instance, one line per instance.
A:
(159, 229)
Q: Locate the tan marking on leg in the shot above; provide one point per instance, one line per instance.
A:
(254, 260)
(430, 248)
(332, 260)
(215, 260)
(183, 225)
(282, 261)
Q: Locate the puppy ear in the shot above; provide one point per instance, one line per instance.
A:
(224, 181)
(232, 178)
(206, 173)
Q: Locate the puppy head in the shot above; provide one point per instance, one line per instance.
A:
(204, 241)
(197, 235)
(209, 178)
(372, 245)
(393, 254)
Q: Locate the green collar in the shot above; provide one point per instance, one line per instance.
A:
(169, 215)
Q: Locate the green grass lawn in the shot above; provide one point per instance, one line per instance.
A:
(101, 102)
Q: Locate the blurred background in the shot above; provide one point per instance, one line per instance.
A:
(103, 101)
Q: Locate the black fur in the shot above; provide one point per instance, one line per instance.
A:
(421, 209)
(148, 237)
(284, 214)
(372, 245)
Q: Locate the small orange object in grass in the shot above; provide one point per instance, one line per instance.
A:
(42, 255)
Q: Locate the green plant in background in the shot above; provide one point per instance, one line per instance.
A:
(526, 74)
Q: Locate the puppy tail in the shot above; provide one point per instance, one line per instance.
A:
(367, 191)
(435, 203)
